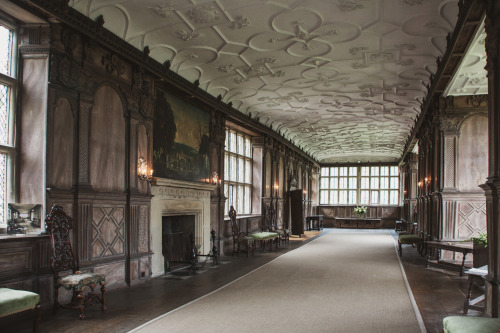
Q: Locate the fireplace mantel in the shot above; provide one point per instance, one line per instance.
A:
(176, 197)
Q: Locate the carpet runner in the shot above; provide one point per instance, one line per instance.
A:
(340, 282)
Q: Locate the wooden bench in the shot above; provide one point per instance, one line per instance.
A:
(459, 324)
(264, 237)
(14, 301)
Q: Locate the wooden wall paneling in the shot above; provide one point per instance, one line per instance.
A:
(61, 141)
(107, 141)
(83, 232)
(84, 143)
(473, 151)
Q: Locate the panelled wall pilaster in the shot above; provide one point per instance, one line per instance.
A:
(492, 185)
(217, 147)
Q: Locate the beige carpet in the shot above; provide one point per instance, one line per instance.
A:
(340, 282)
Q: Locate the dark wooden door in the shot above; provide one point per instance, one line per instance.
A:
(297, 212)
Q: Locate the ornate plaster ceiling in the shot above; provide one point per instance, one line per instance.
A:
(470, 78)
(342, 79)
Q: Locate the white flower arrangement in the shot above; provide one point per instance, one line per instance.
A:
(360, 211)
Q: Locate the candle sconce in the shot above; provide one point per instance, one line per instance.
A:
(142, 170)
(214, 179)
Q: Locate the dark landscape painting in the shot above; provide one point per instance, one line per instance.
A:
(180, 139)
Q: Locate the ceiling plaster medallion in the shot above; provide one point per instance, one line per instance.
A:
(409, 47)
(382, 145)
(379, 57)
(477, 81)
(358, 65)
(356, 50)
(205, 14)
(291, 97)
(239, 23)
(267, 60)
(240, 79)
(376, 90)
(226, 68)
(164, 9)
(278, 74)
(412, 2)
(407, 62)
(349, 5)
(187, 36)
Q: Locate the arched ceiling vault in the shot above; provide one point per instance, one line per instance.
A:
(343, 79)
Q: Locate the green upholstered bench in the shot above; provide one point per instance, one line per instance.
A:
(265, 236)
(462, 324)
(404, 238)
(14, 301)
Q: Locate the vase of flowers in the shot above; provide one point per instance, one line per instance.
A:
(360, 211)
(479, 250)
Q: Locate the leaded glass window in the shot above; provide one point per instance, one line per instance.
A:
(238, 172)
(8, 85)
(365, 185)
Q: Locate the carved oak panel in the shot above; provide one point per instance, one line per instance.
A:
(108, 231)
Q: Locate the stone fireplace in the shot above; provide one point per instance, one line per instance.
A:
(179, 198)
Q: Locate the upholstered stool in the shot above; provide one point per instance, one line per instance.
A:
(404, 238)
(14, 301)
(459, 324)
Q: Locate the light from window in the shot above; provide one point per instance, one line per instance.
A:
(7, 88)
(4, 113)
(367, 185)
(6, 50)
(238, 172)
(3, 187)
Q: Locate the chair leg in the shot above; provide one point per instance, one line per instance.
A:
(80, 306)
(103, 300)
(56, 300)
(38, 314)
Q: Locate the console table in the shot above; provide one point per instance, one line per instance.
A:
(314, 222)
(464, 248)
(356, 222)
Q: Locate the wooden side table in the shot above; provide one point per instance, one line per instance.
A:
(475, 277)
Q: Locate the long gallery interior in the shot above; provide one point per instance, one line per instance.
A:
(248, 165)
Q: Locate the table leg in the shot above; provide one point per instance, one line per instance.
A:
(467, 299)
(463, 264)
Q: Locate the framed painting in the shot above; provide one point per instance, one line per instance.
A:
(180, 139)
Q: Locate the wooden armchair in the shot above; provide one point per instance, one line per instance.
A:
(242, 243)
(58, 224)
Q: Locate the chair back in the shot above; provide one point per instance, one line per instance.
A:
(58, 225)
(234, 225)
(270, 217)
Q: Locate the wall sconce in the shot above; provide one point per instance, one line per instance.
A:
(420, 184)
(427, 181)
(215, 180)
(276, 189)
(142, 170)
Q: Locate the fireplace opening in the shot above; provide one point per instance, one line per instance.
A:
(176, 245)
